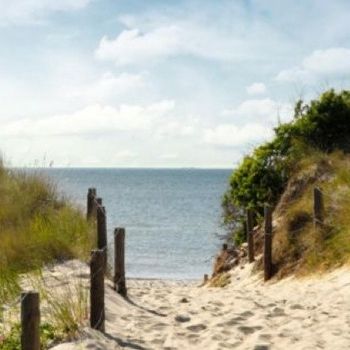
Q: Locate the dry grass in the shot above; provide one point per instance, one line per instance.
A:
(299, 247)
(221, 280)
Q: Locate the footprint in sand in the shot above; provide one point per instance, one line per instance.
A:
(261, 347)
(197, 327)
(232, 322)
(276, 312)
(229, 345)
(249, 330)
(247, 314)
(296, 307)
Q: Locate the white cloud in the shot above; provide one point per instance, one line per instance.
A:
(32, 11)
(233, 135)
(264, 109)
(105, 87)
(94, 119)
(135, 46)
(332, 62)
(295, 74)
(256, 89)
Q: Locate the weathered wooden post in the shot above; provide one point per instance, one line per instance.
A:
(250, 237)
(30, 321)
(90, 202)
(119, 261)
(97, 290)
(268, 243)
(318, 207)
(224, 246)
(102, 233)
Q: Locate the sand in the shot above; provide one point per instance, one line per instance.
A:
(312, 313)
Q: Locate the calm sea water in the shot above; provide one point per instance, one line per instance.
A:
(172, 217)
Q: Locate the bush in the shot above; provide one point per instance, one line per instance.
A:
(324, 124)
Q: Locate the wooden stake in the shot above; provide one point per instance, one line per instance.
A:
(119, 261)
(268, 243)
(250, 237)
(97, 290)
(30, 321)
(318, 207)
(102, 233)
(90, 203)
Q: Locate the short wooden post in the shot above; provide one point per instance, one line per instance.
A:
(250, 237)
(224, 246)
(206, 278)
(318, 207)
(30, 321)
(268, 243)
(102, 233)
(97, 203)
(97, 290)
(90, 203)
(119, 261)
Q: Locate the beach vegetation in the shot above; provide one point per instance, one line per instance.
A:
(323, 125)
(39, 227)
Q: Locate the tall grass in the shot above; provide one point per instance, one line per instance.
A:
(37, 227)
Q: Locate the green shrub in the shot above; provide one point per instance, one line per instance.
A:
(261, 178)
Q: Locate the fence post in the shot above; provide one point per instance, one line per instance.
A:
(97, 292)
(267, 243)
(119, 261)
(318, 207)
(90, 202)
(102, 233)
(30, 321)
(250, 237)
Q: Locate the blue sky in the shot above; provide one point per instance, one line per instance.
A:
(100, 83)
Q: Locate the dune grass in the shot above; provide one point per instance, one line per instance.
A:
(300, 247)
(37, 227)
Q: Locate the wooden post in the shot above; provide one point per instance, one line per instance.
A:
(97, 203)
(268, 243)
(97, 291)
(224, 246)
(250, 237)
(318, 207)
(206, 278)
(90, 203)
(102, 233)
(119, 261)
(30, 321)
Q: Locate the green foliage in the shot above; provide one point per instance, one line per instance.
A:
(261, 178)
(12, 341)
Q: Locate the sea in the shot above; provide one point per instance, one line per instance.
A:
(172, 217)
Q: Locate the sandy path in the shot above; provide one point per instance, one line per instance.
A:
(310, 314)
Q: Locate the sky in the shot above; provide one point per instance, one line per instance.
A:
(160, 83)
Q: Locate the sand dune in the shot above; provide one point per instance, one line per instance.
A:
(312, 313)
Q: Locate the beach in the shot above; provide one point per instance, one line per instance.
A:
(308, 313)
